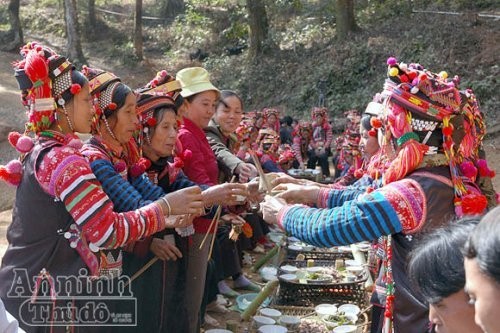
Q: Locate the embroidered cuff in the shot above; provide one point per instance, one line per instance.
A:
(408, 200)
(281, 215)
(322, 200)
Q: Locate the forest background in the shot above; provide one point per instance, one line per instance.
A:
(289, 54)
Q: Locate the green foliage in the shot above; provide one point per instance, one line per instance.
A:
(307, 52)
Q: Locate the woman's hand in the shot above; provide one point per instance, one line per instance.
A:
(228, 194)
(293, 193)
(179, 221)
(233, 219)
(246, 171)
(185, 201)
(164, 249)
(270, 208)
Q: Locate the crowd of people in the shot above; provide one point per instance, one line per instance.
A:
(160, 205)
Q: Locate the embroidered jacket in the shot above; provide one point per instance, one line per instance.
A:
(110, 167)
(405, 209)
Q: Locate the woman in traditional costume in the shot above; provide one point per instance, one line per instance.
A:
(438, 131)
(62, 218)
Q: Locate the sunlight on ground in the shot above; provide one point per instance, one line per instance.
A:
(5, 90)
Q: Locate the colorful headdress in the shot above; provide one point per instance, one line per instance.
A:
(162, 91)
(319, 111)
(267, 112)
(426, 113)
(45, 78)
(102, 85)
(244, 130)
(304, 129)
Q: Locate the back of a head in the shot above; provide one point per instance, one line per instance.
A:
(483, 245)
(436, 266)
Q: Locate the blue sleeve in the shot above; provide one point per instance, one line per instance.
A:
(337, 198)
(364, 219)
(123, 195)
(146, 188)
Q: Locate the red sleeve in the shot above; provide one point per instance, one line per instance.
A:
(71, 180)
(194, 167)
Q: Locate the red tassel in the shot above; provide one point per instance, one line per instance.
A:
(484, 170)
(151, 122)
(13, 138)
(75, 88)
(12, 172)
(474, 204)
(375, 122)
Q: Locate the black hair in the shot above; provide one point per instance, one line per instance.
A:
(287, 120)
(436, 266)
(484, 245)
(365, 122)
(229, 93)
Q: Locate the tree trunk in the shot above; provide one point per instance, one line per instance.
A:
(257, 20)
(16, 31)
(346, 22)
(74, 47)
(171, 8)
(138, 30)
(92, 19)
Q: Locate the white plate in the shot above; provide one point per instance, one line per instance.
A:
(315, 269)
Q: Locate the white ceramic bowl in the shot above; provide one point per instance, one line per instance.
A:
(290, 322)
(259, 321)
(325, 309)
(275, 237)
(289, 269)
(349, 309)
(288, 277)
(307, 247)
(271, 313)
(217, 330)
(272, 329)
(345, 329)
(294, 247)
(350, 319)
(356, 270)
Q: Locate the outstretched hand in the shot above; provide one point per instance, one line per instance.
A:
(228, 194)
(293, 193)
(270, 208)
(186, 201)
